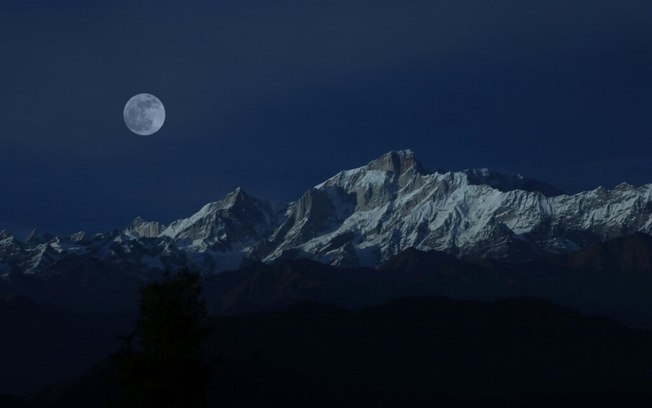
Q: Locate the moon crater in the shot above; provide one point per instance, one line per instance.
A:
(144, 114)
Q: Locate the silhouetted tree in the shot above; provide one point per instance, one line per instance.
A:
(160, 364)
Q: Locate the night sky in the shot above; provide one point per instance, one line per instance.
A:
(276, 96)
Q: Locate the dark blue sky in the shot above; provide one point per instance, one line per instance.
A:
(276, 96)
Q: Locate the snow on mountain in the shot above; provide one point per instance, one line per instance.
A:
(361, 216)
(365, 215)
(10, 249)
(223, 233)
(506, 183)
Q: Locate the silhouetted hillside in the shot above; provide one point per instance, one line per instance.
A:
(41, 344)
(418, 352)
(612, 279)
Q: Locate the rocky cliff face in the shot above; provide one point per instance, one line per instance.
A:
(145, 229)
(361, 216)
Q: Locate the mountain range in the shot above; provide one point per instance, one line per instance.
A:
(381, 231)
(359, 217)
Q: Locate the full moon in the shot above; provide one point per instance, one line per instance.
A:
(144, 114)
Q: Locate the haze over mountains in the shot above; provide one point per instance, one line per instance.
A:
(359, 217)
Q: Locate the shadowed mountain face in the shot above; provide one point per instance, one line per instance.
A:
(612, 279)
(412, 273)
(628, 254)
(413, 352)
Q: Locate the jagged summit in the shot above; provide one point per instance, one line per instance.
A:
(504, 182)
(78, 236)
(236, 201)
(145, 229)
(235, 198)
(222, 233)
(38, 237)
(388, 168)
(624, 186)
(398, 162)
(33, 235)
(396, 166)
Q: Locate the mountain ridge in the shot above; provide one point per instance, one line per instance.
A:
(359, 217)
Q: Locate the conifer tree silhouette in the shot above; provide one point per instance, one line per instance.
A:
(160, 364)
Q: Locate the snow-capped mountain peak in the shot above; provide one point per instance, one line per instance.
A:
(397, 162)
(237, 217)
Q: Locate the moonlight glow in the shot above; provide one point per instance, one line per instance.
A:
(144, 114)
